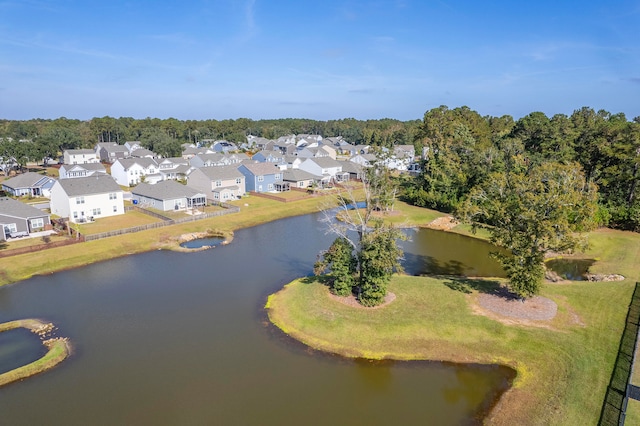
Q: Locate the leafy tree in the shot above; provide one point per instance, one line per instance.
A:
(531, 212)
(379, 258)
(365, 254)
(340, 259)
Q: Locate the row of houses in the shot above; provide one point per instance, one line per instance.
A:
(85, 191)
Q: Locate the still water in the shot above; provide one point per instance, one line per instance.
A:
(167, 338)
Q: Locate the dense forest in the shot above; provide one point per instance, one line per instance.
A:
(462, 148)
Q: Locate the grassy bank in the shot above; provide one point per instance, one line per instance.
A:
(58, 351)
(564, 365)
(253, 211)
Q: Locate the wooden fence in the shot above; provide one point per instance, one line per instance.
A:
(38, 247)
(228, 209)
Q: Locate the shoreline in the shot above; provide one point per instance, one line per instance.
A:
(59, 350)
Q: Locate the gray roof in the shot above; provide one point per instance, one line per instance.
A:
(296, 175)
(25, 180)
(165, 190)
(351, 167)
(260, 169)
(97, 184)
(325, 162)
(115, 148)
(144, 162)
(97, 167)
(15, 208)
(221, 172)
(142, 152)
(80, 151)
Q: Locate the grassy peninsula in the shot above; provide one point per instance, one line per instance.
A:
(564, 364)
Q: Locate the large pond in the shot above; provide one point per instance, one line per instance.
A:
(182, 338)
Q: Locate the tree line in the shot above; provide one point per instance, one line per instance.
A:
(464, 150)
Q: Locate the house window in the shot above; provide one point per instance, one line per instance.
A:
(238, 181)
(80, 200)
(115, 209)
(261, 178)
(216, 195)
(113, 196)
(301, 184)
(277, 176)
(97, 212)
(270, 187)
(37, 223)
(218, 183)
(75, 215)
(11, 227)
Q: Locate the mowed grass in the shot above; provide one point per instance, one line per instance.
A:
(128, 220)
(564, 365)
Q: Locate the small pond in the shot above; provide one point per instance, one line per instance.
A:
(570, 269)
(202, 242)
(19, 347)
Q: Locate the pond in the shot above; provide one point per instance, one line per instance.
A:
(19, 347)
(203, 242)
(570, 269)
(182, 338)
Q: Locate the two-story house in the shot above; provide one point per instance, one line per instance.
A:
(132, 171)
(87, 198)
(219, 183)
(80, 156)
(261, 177)
(68, 171)
(109, 152)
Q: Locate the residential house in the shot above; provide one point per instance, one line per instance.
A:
(223, 146)
(133, 145)
(364, 160)
(221, 183)
(68, 171)
(327, 168)
(167, 195)
(355, 170)
(174, 168)
(80, 156)
(143, 153)
(216, 159)
(261, 177)
(312, 152)
(109, 152)
(297, 178)
(29, 184)
(191, 151)
(132, 171)
(293, 161)
(275, 157)
(87, 198)
(20, 219)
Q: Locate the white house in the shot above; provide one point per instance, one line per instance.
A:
(87, 198)
(68, 171)
(80, 156)
(132, 171)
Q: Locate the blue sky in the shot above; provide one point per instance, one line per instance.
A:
(322, 60)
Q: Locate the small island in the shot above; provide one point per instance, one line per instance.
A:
(58, 350)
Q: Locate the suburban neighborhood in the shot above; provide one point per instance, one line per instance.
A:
(92, 184)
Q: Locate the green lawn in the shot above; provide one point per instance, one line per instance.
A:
(564, 365)
(128, 220)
